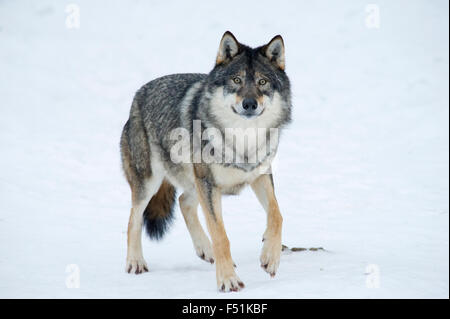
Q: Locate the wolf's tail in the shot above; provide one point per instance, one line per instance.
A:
(158, 215)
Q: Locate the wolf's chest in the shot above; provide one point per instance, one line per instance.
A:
(231, 179)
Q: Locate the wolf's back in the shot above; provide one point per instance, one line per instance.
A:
(159, 101)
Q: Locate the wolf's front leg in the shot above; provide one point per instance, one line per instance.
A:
(210, 200)
(271, 252)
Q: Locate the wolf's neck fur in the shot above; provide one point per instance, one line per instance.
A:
(215, 112)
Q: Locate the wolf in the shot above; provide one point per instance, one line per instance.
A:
(247, 89)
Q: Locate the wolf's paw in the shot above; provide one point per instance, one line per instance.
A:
(230, 283)
(204, 251)
(136, 266)
(270, 256)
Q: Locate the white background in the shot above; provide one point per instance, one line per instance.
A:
(362, 171)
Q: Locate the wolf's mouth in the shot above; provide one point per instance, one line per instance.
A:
(247, 115)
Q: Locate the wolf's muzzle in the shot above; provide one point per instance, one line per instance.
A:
(248, 108)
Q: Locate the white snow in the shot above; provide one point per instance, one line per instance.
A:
(362, 171)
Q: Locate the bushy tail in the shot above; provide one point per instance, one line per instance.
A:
(158, 215)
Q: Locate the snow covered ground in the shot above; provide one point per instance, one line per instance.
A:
(362, 171)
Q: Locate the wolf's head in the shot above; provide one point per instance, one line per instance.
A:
(249, 86)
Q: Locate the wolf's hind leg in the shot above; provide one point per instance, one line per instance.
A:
(141, 195)
(202, 245)
(270, 256)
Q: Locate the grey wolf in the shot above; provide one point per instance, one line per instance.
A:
(247, 89)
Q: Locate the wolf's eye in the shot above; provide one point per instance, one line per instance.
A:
(237, 80)
(262, 82)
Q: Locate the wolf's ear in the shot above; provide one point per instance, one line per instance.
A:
(228, 48)
(274, 51)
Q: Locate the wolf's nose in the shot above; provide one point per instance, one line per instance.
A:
(249, 104)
